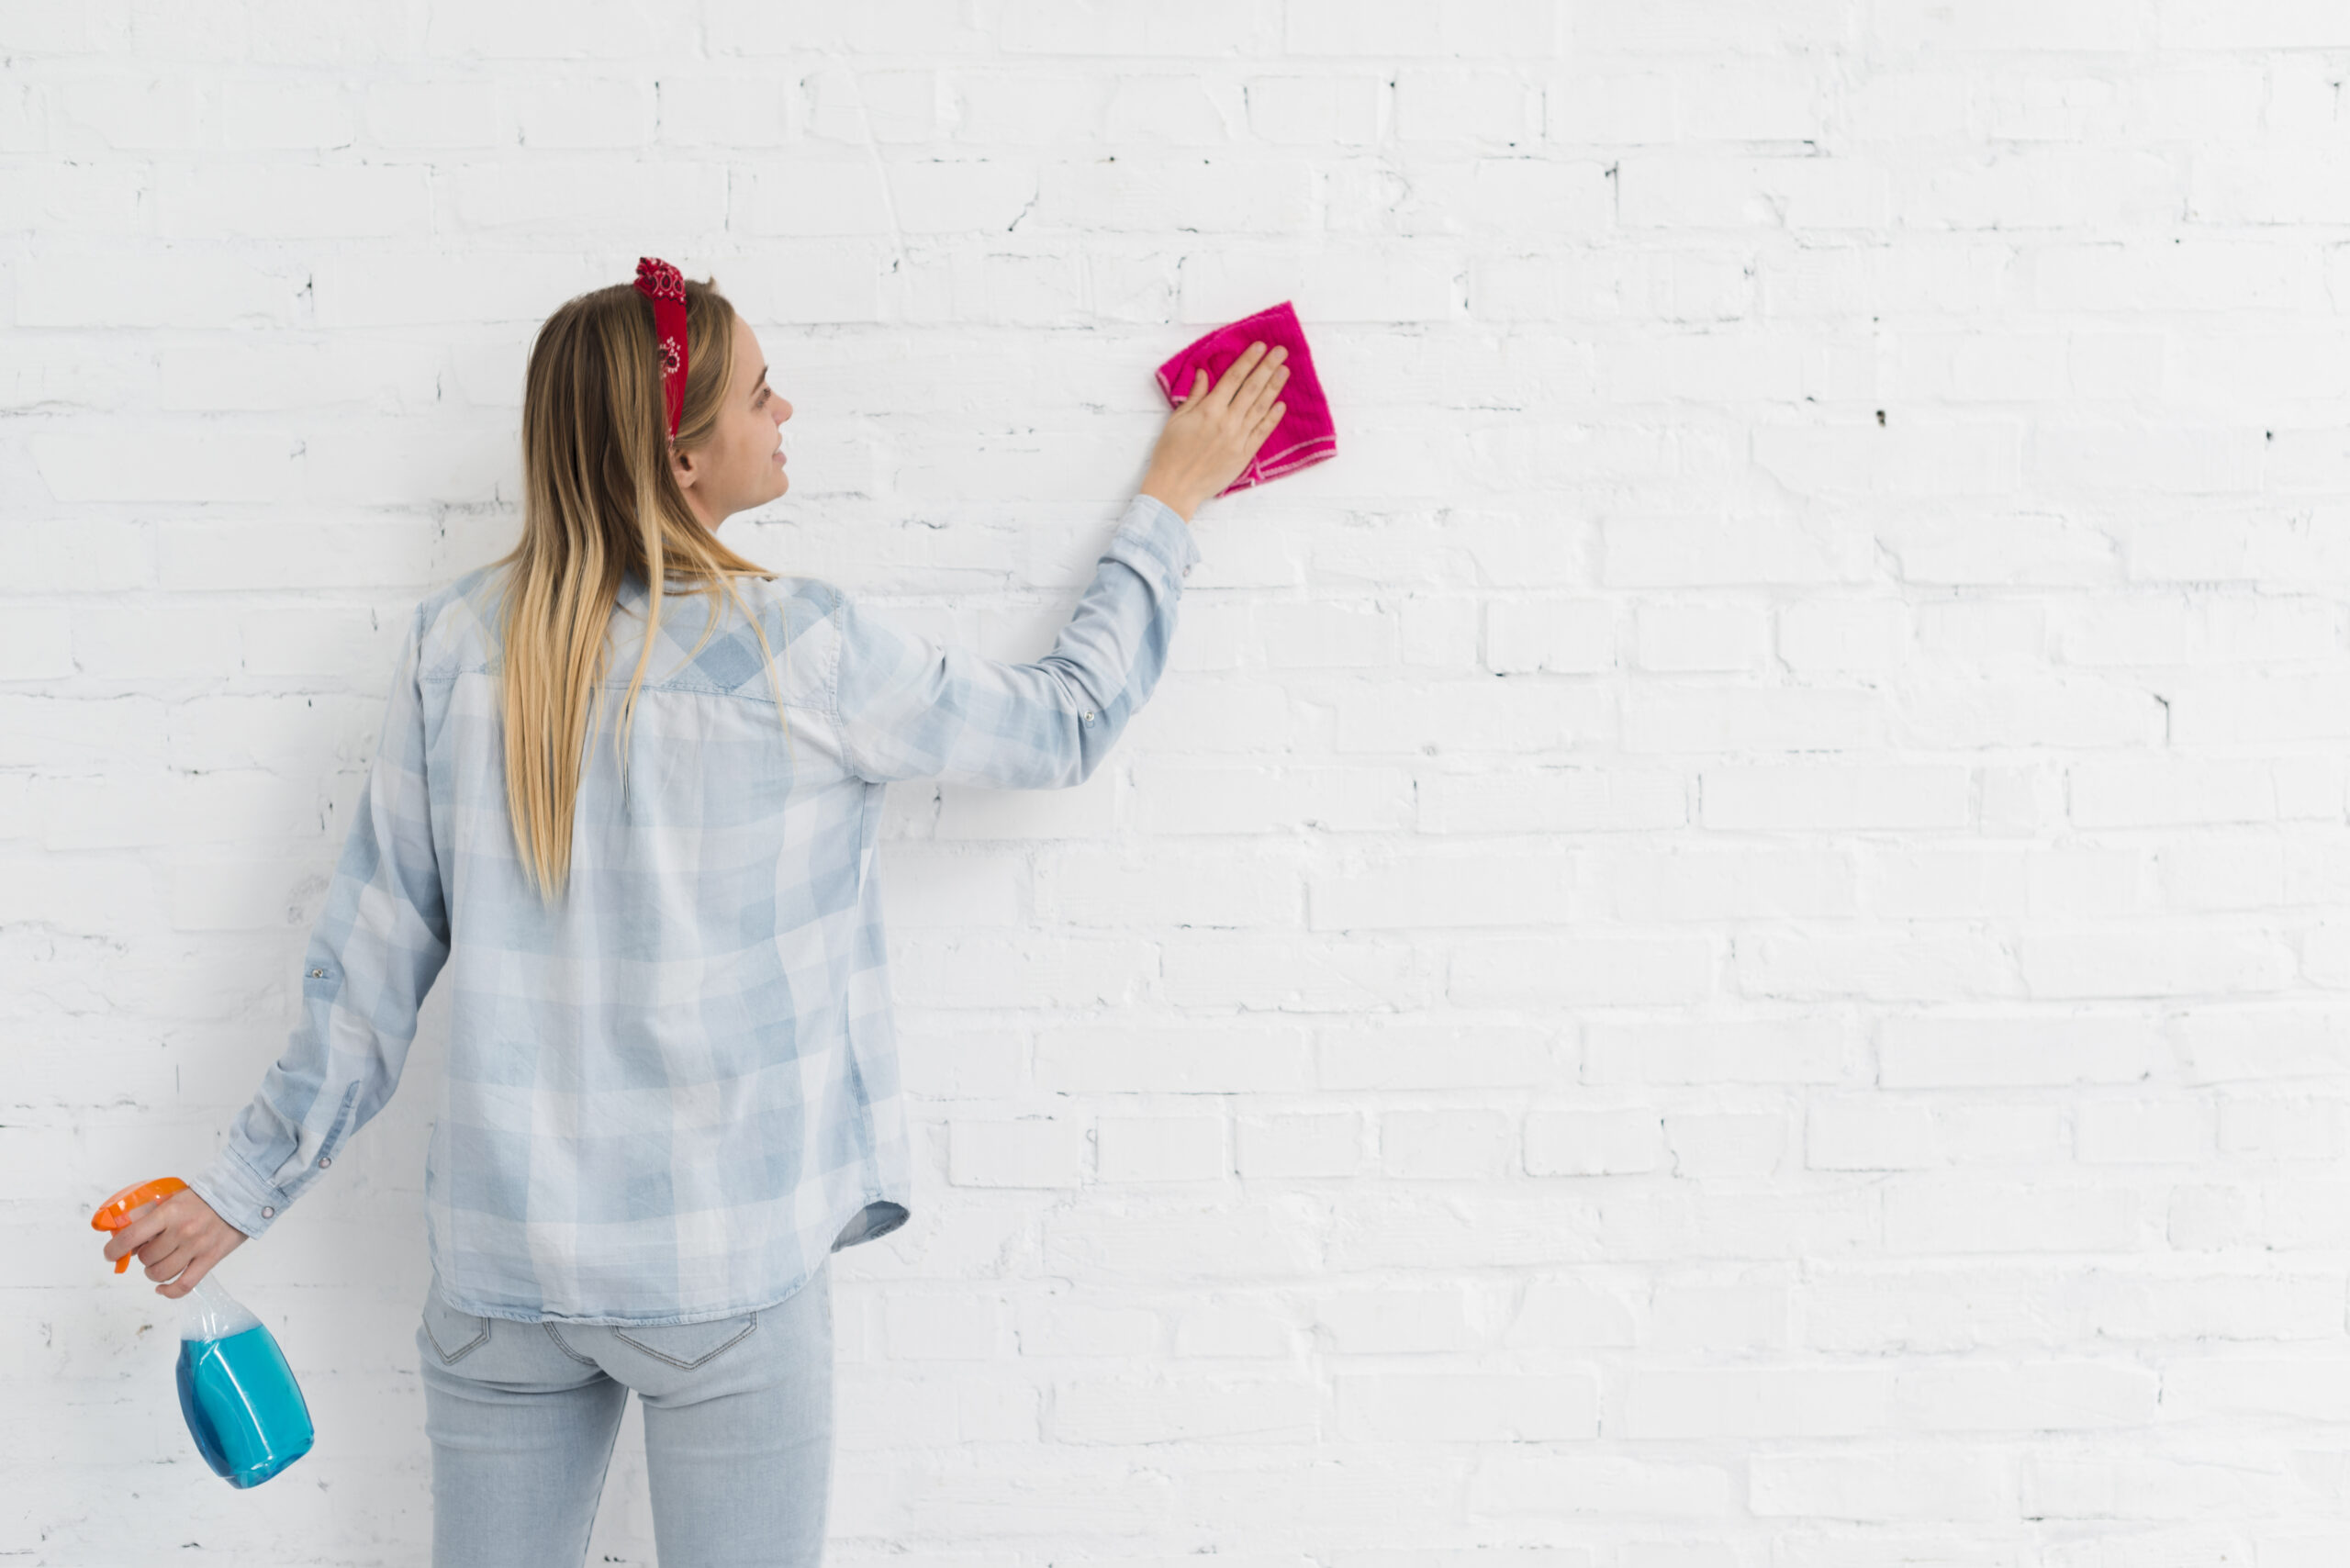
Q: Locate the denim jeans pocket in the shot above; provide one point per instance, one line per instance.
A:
(454, 1335)
(690, 1345)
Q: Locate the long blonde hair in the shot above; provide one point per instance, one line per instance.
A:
(600, 503)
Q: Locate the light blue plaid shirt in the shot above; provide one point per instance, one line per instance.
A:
(671, 1096)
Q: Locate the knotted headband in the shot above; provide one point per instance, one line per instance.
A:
(666, 287)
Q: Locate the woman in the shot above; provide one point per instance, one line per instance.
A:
(671, 1089)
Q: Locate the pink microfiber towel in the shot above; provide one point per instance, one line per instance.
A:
(1304, 436)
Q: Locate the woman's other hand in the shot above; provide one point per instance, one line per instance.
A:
(1213, 433)
(178, 1239)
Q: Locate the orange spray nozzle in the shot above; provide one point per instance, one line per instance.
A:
(115, 1213)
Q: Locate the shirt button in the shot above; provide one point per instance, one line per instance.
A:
(324, 1161)
(1089, 715)
(268, 1213)
(317, 974)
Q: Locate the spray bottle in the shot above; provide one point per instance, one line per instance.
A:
(240, 1397)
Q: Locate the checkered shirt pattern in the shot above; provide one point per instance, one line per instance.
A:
(670, 1095)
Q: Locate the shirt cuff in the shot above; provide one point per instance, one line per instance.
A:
(237, 1195)
(1153, 538)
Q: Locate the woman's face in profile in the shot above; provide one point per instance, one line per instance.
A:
(740, 466)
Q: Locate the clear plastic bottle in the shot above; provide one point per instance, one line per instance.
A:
(243, 1404)
(247, 1413)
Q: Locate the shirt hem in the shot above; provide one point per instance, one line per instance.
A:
(711, 1314)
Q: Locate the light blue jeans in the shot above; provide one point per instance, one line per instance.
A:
(738, 1433)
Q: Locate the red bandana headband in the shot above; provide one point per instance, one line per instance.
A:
(666, 287)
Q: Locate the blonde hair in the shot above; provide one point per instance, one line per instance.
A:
(600, 502)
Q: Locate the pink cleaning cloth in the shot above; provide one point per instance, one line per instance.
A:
(1304, 436)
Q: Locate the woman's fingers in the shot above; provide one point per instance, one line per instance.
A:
(1237, 373)
(182, 1257)
(1263, 429)
(1256, 413)
(1271, 387)
(141, 1225)
(206, 1238)
(1265, 373)
(1241, 375)
(1255, 398)
(166, 1258)
(1252, 407)
(189, 1279)
(184, 1269)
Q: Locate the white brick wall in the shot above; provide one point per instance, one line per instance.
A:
(1725, 949)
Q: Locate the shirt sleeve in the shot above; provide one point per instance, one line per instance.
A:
(377, 946)
(910, 708)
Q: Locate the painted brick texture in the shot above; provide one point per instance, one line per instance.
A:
(1724, 947)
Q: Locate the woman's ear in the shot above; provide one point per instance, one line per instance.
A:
(682, 465)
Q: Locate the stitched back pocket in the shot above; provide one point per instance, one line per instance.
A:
(690, 1345)
(454, 1335)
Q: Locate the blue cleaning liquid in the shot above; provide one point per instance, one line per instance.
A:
(242, 1404)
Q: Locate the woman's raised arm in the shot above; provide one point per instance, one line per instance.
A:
(911, 707)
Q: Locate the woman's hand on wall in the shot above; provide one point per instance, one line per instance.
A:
(1213, 433)
(178, 1239)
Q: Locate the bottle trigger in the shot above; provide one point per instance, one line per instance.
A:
(115, 1213)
